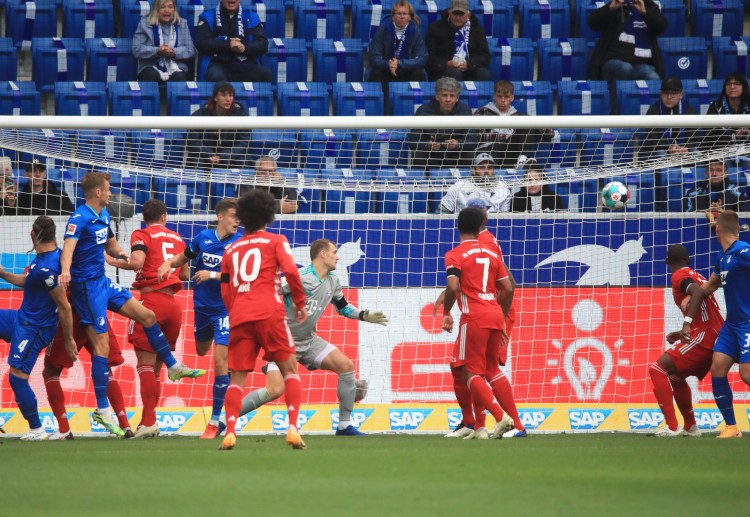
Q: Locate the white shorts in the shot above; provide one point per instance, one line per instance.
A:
(311, 358)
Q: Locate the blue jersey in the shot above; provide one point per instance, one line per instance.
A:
(207, 250)
(92, 232)
(734, 269)
(38, 309)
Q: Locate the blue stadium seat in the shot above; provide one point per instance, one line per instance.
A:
(429, 11)
(257, 98)
(69, 179)
(318, 19)
(544, 20)
(582, 9)
(326, 149)
(282, 145)
(287, 59)
(358, 99)
(367, 16)
(158, 148)
(563, 59)
(511, 59)
(561, 152)
(8, 60)
(582, 98)
(25, 20)
(133, 184)
(88, 19)
(395, 202)
(185, 98)
(600, 147)
(182, 192)
(676, 181)
(495, 16)
(337, 61)
(303, 99)
(341, 201)
(730, 55)
(712, 18)
(477, 93)
(110, 59)
(308, 199)
(102, 145)
(636, 97)
(133, 99)
(685, 58)
(583, 196)
(675, 12)
(405, 98)
(533, 97)
(699, 93)
(19, 98)
(225, 183)
(381, 148)
(191, 11)
(79, 98)
(56, 59)
(131, 12)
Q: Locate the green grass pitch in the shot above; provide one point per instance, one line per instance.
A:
(601, 474)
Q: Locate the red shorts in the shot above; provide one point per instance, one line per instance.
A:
(510, 322)
(168, 316)
(694, 358)
(57, 357)
(477, 349)
(247, 339)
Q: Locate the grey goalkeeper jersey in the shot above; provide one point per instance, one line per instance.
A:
(319, 294)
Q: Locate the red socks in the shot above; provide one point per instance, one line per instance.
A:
(293, 396)
(149, 394)
(56, 398)
(663, 393)
(116, 400)
(463, 396)
(482, 393)
(683, 396)
(503, 392)
(232, 404)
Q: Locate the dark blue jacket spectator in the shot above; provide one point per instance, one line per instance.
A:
(398, 51)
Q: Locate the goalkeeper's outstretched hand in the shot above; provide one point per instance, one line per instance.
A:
(375, 317)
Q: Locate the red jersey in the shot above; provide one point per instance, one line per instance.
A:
(709, 317)
(485, 237)
(479, 268)
(160, 244)
(251, 277)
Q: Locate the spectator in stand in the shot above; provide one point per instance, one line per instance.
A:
(669, 141)
(40, 196)
(716, 191)
(535, 196)
(162, 45)
(234, 38)
(457, 45)
(734, 100)
(442, 148)
(265, 170)
(8, 197)
(219, 148)
(482, 187)
(398, 51)
(6, 167)
(627, 48)
(506, 145)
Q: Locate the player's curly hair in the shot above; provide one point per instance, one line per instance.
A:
(470, 220)
(44, 230)
(256, 209)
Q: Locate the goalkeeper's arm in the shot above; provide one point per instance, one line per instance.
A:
(348, 310)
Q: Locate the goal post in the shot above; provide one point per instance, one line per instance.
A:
(593, 300)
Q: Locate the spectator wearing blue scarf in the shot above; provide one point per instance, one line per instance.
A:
(734, 100)
(398, 51)
(162, 45)
(664, 141)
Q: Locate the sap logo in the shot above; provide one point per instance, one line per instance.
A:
(683, 63)
(358, 417)
(172, 421)
(98, 428)
(643, 419)
(587, 419)
(407, 419)
(101, 235)
(244, 420)
(454, 417)
(280, 419)
(211, 260)
(533, 418)
(708, 419)
(5, 417)
(49, 422)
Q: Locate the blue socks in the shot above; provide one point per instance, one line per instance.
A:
(100, 376)
(26, 400)
(159, 343)
(221, 383)
(724, 399)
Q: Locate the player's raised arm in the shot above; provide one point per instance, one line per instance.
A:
(697, 294)
(12, 278)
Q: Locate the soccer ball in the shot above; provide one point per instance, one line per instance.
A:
(615, 195)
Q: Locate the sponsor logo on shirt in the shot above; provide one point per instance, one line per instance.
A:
(211, 260)
(71, 229)
(407, 419)
(280, 419)
(50, 281)
(587, 419)
(101, 235)
(643, 419)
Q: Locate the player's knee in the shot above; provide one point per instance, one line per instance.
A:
(202, 349)
(148, 318)
(50, 371)
(345, 366)
(745, 375)
(275, 390)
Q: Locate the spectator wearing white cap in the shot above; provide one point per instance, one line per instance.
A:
(482, 185)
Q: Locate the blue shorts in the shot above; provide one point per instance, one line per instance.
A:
(26, 341)
(734, 341)
(92, 298)
(214, 326)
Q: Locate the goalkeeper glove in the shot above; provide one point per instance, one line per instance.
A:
(374, 317)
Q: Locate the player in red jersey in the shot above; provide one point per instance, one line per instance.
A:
(251, 289)
(149, 249)
(691, 357)
(478, 278)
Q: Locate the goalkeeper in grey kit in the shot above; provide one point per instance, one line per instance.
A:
(322, 287)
